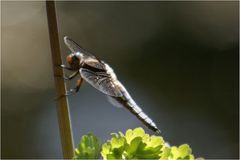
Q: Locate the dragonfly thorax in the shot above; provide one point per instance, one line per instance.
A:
(110, 71)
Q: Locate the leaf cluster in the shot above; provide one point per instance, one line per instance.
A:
(134, 144)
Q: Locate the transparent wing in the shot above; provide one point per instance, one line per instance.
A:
(114, 102)
(94, 63)
(101, 81)
(74, 47)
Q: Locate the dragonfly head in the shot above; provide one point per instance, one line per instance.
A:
(74, 61)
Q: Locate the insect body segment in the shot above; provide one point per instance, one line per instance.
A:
(102, 77)
(131, 105)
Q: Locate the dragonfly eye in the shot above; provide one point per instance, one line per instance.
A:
(73, 61)
(69, 59)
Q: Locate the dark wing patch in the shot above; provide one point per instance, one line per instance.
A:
(101, 81)
(94, 63)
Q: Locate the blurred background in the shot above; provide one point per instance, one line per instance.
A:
(179, 61)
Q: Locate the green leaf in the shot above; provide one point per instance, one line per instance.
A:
(135, 144)
(111, 156)
(131, 134)
(181, 152)
(132, 147)
(155, 141)
(165, 153)
(89, 147)
(184, 150)
(117, 141)
(106, 150)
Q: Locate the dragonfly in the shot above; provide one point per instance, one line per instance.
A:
(102, 77)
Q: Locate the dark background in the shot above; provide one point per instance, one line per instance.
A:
(179, 61)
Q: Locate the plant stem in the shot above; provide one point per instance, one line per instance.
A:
(62, 103)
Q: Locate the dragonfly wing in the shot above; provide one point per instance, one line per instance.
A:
(114, 102)
(74, 47)
(94, 63)
(101, 81)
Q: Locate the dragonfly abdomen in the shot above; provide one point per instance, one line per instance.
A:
(127, 101)
(142, 117)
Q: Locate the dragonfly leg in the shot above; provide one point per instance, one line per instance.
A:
(72, 76)
(76, 89)
(68, 93)
(78, 84)
(69, 77)
(66, 67)
(72, 91)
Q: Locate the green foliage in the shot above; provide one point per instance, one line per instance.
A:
(89, 147)
(135, 144)
(183, 152)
